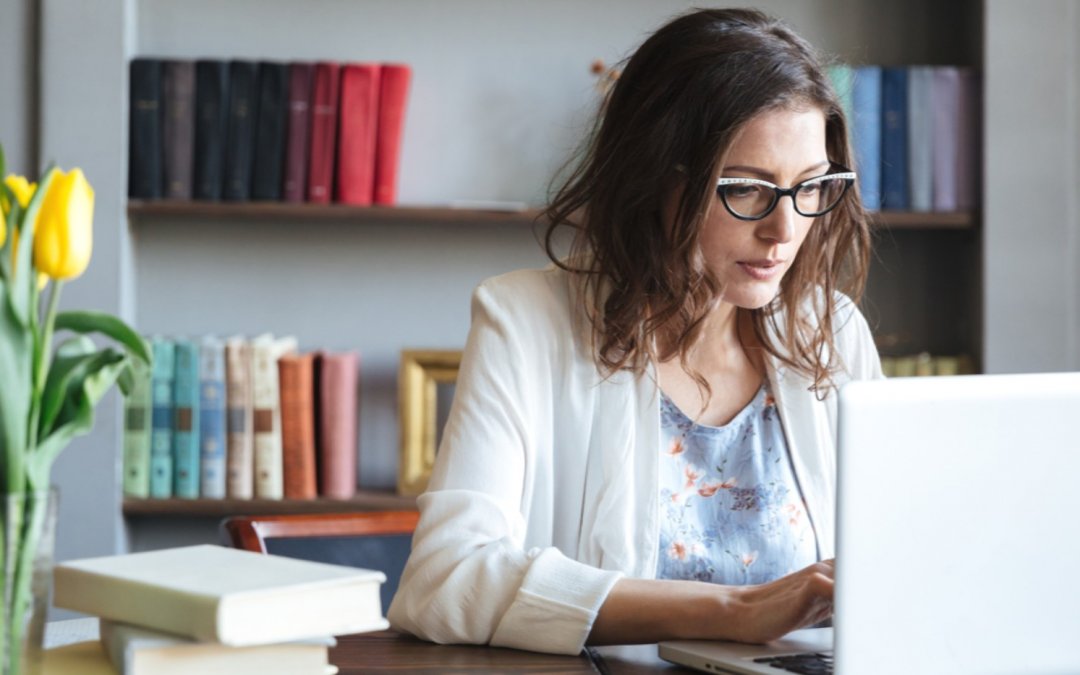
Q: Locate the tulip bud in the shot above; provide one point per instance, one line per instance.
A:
(64, 236)
(23, 191)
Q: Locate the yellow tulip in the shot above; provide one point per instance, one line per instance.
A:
(23, 190)
(64, 236)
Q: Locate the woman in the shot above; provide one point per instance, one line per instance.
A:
(641, 445)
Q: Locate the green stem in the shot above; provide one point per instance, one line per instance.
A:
(42, 360)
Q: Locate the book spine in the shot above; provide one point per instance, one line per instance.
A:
(144, 124)
(138, 405)
(946, 135)
(186, 421)
(240, 138)
(920, 137)
(894, 144)
(178, 127)
(266, 398)
(211, 124)
(296, 375)
(299, 131)
(358, 116)
(324, 112)
(866, 103)
(161, 438)
(393, 101)
(212, 400)
(270, 131)
(238, 424)
(968, 152)
(842, 77)
(337, 375)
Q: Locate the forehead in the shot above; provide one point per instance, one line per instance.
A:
(781, 140)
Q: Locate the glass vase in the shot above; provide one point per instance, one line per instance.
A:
(29, 522)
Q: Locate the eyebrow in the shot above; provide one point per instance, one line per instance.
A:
(770, 176)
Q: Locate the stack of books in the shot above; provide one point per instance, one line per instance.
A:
(242, 418)
(266, 131)
(214, 610)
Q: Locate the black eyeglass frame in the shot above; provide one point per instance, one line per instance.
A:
(836, 171)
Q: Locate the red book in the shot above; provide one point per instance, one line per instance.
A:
(337, 398)
(359, 113)
(298, 134)
(296, 376)
(393, 97)
(324, 109)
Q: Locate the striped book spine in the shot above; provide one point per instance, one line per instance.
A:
(161, 434)
(137, 408)
(212, 417)
(186, 421)
(239, 462)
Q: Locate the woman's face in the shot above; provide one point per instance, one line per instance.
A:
(750, 258)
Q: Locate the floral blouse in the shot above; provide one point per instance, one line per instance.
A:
(731, 509)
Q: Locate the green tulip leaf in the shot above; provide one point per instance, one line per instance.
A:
(16, 347)
(110, 326)
(9, 226)
(126, 379)
(81, 403)
(74, 359)
(23, 283)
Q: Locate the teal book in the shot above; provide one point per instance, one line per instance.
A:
(161, 427)
(842, 77)
(137, 408)
(212, 417)
(186, 421)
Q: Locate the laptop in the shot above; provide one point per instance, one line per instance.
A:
(958, 535)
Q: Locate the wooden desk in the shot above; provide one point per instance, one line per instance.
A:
(390, 652)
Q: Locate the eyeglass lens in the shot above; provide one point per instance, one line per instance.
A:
(811, 199)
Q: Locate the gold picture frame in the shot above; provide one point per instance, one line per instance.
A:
(419, 377)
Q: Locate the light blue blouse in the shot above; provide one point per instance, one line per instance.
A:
(731, 508)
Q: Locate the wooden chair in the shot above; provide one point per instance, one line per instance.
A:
(376, 540)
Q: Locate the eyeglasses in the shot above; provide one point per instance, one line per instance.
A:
(753, 199)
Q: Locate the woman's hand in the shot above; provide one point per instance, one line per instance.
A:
(769, 611)
(650, 610)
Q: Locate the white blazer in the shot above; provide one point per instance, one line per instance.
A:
(545, 487)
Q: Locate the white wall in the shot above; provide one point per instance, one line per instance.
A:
(1032, 220)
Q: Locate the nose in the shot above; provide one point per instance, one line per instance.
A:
(779, 226)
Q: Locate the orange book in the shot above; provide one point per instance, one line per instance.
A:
(296, 376)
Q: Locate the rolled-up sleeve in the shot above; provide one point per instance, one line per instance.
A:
(469, 578)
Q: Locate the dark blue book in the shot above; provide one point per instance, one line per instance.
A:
(145, 164)
(866, 133)
(211, 125)
(270, 136)
(240, 137)
(894, 139)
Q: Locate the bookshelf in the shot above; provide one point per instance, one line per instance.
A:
(146, 212)
(364, 500)
(494, 112)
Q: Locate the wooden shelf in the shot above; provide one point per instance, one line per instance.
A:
(365, 500)
(911, 220)
(166, 209)
(157, 210)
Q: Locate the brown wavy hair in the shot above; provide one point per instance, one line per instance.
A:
(680, 101)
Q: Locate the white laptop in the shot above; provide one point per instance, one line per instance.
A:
(958, 534)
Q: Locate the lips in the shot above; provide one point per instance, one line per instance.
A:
(762, 270)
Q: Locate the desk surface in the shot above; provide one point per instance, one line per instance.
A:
(390, 652)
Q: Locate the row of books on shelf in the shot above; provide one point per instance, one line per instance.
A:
(242, 418)
(208, 609)
(915, 134)
(924, 364)
(243, 130)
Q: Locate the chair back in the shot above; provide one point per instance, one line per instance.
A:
(378, 540)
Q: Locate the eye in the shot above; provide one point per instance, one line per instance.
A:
(810, 189)
(741, 190)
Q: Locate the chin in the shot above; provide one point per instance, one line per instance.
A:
(751, 298)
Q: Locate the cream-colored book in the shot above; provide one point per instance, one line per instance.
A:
(239, 430)
(225, 595)
(266, 399)
(134, 650)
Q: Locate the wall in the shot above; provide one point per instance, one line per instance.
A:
(1032, 222)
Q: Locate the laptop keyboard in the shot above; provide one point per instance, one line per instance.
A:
(810, 663)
